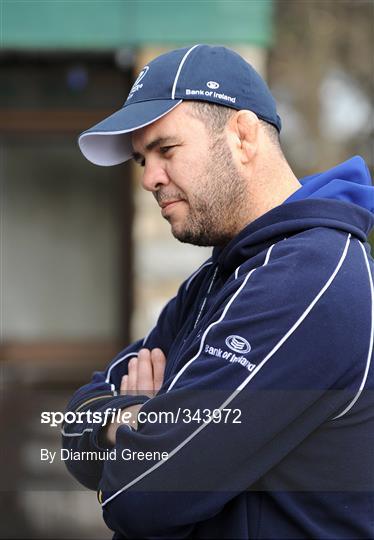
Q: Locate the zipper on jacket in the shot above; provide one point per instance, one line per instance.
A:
(206, 297)
(171, 366)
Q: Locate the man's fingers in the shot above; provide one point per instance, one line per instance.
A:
(124, 385)
(158, 364)
(133, 375)
(145, 374)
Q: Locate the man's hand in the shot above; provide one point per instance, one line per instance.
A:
(145, 376)
(145, 373)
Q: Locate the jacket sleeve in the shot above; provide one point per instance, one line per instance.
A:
(260, 361)
(101, 394)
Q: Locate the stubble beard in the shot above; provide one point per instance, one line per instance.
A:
(218, 208)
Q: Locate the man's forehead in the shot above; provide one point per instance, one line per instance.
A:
(148, 140)
(143, 135)
(167, 127)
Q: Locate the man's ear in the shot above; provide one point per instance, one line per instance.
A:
(243, 132)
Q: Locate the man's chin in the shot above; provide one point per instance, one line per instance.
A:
(182, 235)
(201, 238)
(188, 237)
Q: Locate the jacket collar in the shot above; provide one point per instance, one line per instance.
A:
(287, 220)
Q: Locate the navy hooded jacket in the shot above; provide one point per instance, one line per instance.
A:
(275, 332)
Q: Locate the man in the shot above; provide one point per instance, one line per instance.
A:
(250, 404)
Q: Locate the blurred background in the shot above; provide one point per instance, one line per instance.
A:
(86, 261)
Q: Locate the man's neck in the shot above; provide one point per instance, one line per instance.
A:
(273, 185)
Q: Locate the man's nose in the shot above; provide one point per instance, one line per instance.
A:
(154, 176)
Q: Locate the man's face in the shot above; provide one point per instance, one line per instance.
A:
(193, 178)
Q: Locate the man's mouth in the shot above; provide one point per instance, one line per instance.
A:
(164, 204)
(167, 207)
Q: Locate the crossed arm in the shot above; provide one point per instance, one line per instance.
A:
(145, 376)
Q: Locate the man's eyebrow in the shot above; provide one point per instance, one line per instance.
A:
(138, 157)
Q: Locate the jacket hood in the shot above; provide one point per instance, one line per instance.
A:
(349, 182)
(341, 198)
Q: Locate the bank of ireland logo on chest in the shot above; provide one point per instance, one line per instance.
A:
(238, 344)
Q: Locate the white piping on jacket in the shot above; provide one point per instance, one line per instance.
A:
(371, 339)
(196, 273)
(134, 353)
(265, 263)
(268, 255)
(237, 272)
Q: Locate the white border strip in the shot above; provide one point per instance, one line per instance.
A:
(371, 340)
(180, 68)
(248, 379)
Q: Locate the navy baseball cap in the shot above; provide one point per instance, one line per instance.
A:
(199, 73)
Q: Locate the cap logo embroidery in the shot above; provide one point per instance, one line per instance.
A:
(137, 86)
(213, 85)
(210, 94)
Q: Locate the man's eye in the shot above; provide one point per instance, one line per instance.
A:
(165, 149)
